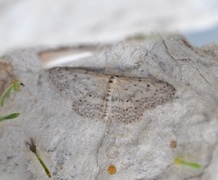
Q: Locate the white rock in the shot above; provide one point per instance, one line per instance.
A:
(74, 147)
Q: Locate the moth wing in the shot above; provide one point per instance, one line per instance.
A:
(132, 96)
(86, 88)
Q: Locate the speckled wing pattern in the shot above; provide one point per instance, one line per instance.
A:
(86, 88)
(132, 96)
(117, 98)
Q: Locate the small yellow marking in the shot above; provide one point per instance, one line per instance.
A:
(111, 169)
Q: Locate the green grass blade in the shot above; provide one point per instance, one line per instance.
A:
(43, 165)
(180, 161)
(14, 86)
(10, 116)
(6, 94)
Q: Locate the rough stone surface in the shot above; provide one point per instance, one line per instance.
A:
(77, 147)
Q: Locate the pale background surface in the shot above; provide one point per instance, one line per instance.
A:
(26, 23)
(76, 148)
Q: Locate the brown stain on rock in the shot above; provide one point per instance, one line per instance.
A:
(173, 144)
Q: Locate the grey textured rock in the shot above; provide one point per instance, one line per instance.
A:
(77, 147)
